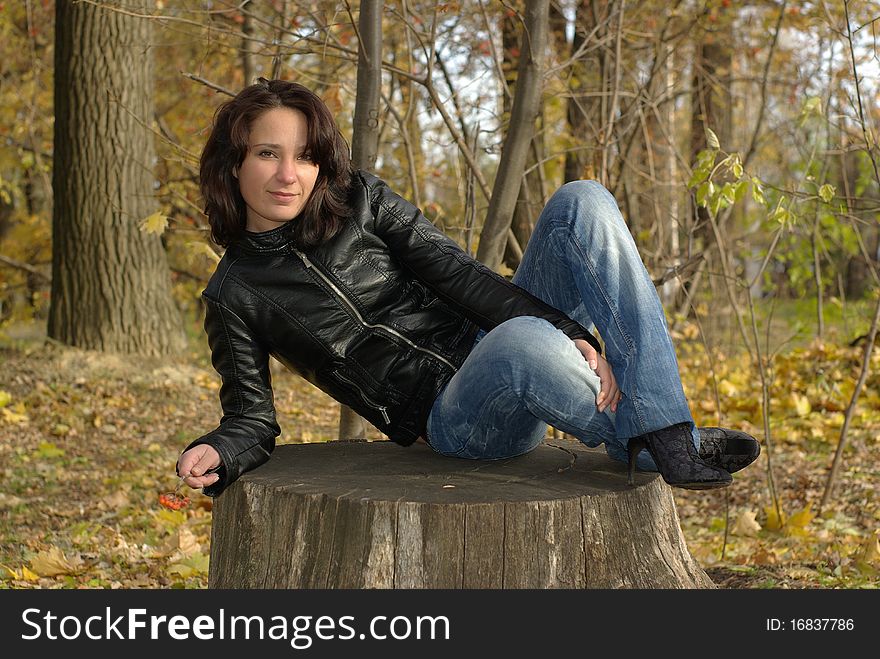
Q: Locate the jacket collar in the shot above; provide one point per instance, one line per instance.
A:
(274, 240)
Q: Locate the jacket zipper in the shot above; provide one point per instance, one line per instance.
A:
(360, 318)
(382, 410)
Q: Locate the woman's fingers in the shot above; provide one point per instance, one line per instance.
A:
(197, 482)
(196, 466)
(609, 394)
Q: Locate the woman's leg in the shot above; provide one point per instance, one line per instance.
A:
(519, 377)
(582, 259)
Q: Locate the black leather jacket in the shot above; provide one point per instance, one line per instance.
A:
(379, 317)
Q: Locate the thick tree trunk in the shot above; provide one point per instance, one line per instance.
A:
(110, 280)
(514, 154)
(365, 136)
(378, 515)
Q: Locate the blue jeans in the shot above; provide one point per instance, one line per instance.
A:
(525, 373)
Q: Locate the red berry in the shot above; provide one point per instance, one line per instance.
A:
(173, 501)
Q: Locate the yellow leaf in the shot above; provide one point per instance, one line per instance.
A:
(727, 388)
(195, 247)
(774, 522)
(27, 575)
(8, 573)
(191, 566)
(15, 415)
(797, 523)
(155, 223)
(801, 404)
(51, 563)
(5, 398)
(746, 525)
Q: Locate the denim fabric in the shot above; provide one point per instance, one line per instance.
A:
(525, 373)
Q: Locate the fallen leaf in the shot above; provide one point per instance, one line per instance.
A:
(187, 541)
(116, 500)
(774, 522)
(797, 523)
(191, 566)
(8, 573)
(801, 404)
(27, 575)
(762, 557)
(51, 563)
(746, 525)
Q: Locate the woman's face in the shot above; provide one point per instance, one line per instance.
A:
(277, 175)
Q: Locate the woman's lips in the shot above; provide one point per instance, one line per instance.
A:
(283, 196)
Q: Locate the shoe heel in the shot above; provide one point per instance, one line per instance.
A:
(633, 448)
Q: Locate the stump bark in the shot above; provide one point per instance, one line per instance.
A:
(358, 514)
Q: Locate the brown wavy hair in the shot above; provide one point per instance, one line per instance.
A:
(326, 208)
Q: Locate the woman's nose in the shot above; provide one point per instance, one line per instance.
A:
(286, 171)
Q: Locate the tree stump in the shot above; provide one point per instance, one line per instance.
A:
(358, 514)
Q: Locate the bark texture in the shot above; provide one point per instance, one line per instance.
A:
(378, 515)
(514, 153)
(365, 136)
(110, 281)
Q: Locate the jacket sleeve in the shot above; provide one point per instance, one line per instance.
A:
(485, 297)
(247, 431)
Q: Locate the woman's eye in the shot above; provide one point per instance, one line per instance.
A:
(265, 154)
(307, 157)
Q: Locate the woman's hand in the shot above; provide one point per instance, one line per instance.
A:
(194, 463)
(609, 394)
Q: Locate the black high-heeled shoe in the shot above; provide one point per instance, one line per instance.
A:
(730, 450)
(677, 459)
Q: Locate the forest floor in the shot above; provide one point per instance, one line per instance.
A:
(88, 442)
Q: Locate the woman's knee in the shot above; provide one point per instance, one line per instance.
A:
(530, 354)
(583, 190)
(527, 339)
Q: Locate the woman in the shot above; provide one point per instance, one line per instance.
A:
(348, 285)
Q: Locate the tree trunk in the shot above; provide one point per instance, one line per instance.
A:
(378, 515)
(586, 87)
(514, 154)
(110, 280)
(365, 135)
(530, 200)
(248, 45)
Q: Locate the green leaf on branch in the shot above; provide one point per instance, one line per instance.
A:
(703, 192)
(812, 107)
(826, 193)
(781, 215)
(737, 168)
(758, 192)
(727, 192)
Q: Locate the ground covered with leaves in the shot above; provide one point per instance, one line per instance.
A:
(88, 443)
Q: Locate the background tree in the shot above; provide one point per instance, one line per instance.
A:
(365, 137)
(110, 280)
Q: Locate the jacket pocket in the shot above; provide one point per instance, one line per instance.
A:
(364, 396)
